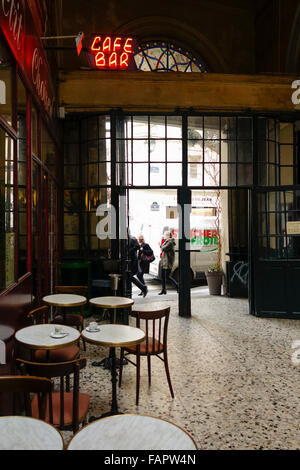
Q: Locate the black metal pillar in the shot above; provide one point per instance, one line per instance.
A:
(184, 201)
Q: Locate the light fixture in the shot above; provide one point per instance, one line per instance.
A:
(78, 40)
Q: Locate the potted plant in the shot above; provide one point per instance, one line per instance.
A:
(214, 274)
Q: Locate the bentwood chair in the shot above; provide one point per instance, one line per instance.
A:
(65, 409)
(38, 316)
(22, 387)
(76, 318)
(155, 343)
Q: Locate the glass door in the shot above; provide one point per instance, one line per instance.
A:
(276, 264)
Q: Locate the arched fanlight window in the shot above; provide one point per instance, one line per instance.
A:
(164, 56)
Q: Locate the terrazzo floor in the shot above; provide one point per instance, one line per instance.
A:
(234, 381)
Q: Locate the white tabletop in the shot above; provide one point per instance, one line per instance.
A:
(25, 433)
(131, 432)
(38, 336)
(114, 335)
(65, 300)
(111, 302)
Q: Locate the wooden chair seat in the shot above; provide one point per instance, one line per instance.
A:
(57, 355)
(84, 401)
(66, 406)
(147, 347)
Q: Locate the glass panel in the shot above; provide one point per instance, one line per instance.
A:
(286, 155)
(157, 150)
(104, 127)
(174, 174)
(262, 128)
(228, 174)
(273, 129)
(195, 128)
(174, 127)
(163, 56)
(157, 174)
(71, 154)
(195, 151)
(71, 243)
(286, 133)
(92, 148)
(93, 179)
(273, 152)
(72, 201)
(157, 127)
(71, 224)
(286, 175)
(211, 151)
(5, 84)
(34, 134)
(195, 174)
(244, 174)
(228, 128)
(211, 127)
(104, 150)
(48, 151)
(92, 128)
(211, 174)
(22, 174)
(140, 127)
(263, 151)
(244, 130)
(71, 176)
(174, 150)
(71, 131)
(244, 151)
(7, 235)
(140, 150)
(262, 224)
(293, 247)
(140, 174)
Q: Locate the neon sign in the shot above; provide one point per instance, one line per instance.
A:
(111, 52)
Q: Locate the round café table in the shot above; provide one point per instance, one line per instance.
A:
(26, 433)
(39, 336)
(114, 335)
(65, 300)
(111, 303)
(131, 432)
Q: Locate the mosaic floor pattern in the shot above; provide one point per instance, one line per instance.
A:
(235, 384)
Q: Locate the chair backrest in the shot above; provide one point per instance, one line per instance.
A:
(25, 385)
(79, 290)
(63, 370)
(155, 325)
(39, 315)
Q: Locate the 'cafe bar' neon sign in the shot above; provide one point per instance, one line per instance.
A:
(111, 52)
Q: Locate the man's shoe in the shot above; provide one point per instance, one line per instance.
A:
(141, 293)
(145, 292)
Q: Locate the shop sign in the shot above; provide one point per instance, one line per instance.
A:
(19, 29)
(12, 18)
(155, 206)
(293, 228)
(111, 52)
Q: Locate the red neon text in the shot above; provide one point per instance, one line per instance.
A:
(112, 52)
